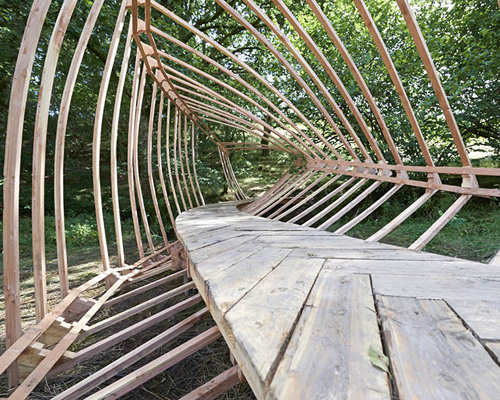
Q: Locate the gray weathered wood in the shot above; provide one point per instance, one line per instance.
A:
(328, 355)
(232, 283)
(482, 316)
(437, 286)
(259, 325)
(296, 308)
(433, 355)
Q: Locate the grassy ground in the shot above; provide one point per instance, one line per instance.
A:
(176, 382)
(472, 234)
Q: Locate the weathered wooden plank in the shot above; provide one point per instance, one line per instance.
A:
(494, 348)
(273, 232)
(328, 355)
(259, 325)
(360, 253)
(413, 267)
(321, 349)
(306, 240)
(203, 239)
(232, 283)
(204, 270)
(437, 286)
(483, 317)
(206, 253)
(207, 268)
(432, 354)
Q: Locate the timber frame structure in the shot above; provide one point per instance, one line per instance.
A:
(333, 175)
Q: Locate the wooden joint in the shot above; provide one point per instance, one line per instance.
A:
(179, 257)
(111, 279)
(241, 376)
(34, 355)
(141, 26)
(79, 306)
(55, 332)
(148, 50)
(469, 181)
(153, 62)
(139, 3)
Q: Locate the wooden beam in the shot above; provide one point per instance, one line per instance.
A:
(216, 386)
(106, 323)
(144, 288)
(132, 357)
(124, 334)
(12, 175)
(150, 370)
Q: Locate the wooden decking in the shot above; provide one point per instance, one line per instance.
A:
(307, 313)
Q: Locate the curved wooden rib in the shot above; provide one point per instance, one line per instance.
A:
(152, 188)
(96, 144)
(320, 189)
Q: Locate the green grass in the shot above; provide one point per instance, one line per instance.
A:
(472, 234)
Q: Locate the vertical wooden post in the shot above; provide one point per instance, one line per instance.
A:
(96, 143)
(150, 163)
(60, 142)
(12, 174)
(159, 157)
(193, 149)
(115, 196)
(39, 152)
(167, 147)
(130, 155)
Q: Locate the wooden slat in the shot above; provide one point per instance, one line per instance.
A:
(135, 164)
(106, 323)
(437, 286)
(216, 386)
(251, 71)
(446, 266)
(124, 334)
(34, 332)
(114, 146)
(425, 55)
(232, 283)
(203, 271)
(152, 186)
(145, 288)
(39, 155)
(143, 374)
(273, 312)
(96, 141)
(259, 325)
(482, 316)
(132, 357)
(426, 336)
(440, 223)
(12, 173)
(328, 355)
(130, 154)
(37, 375)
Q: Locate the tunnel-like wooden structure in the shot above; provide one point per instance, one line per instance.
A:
(298, 306)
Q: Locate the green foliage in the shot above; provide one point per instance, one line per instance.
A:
(463, 37)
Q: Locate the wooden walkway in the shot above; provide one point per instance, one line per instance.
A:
(308, 313)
